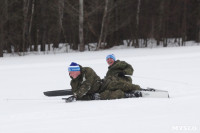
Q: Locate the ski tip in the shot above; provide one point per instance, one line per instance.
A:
(45, 93)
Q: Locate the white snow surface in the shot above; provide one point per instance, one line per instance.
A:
(24, 108)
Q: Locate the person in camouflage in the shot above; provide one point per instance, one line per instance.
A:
(117, 83)
(85, 82)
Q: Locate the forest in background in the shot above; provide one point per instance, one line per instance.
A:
(30, 25)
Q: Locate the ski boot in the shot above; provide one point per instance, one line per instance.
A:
(133, 94)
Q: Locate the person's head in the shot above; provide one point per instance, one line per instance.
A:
(74, 70)
(110, 59)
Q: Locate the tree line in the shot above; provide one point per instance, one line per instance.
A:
(31, 25)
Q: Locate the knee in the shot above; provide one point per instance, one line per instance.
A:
(136, 87)
(117, 94)
(105, 95)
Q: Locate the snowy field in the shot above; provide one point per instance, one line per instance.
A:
(24, 108)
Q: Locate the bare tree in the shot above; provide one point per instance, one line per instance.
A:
(61, 12)
(137, 23)
(3, 17)
(198, 23)
(30, 23)
(43, 29)
(1, 41)
(160, 22)
(103, 24)
(1, 30)
(81, 20)
(166, 23)
(184, 23)
(1, 37)
(25, 23)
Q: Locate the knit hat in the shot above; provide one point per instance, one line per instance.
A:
(74, 67)
(110, 56)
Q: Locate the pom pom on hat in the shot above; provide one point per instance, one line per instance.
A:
(74, 67)
(111, 56)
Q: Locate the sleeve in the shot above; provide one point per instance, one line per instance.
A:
(85, 85)
(126, 68)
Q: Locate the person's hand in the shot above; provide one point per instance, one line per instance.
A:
(70, 99)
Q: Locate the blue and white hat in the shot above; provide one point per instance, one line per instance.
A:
(111, 56)
(74, 67)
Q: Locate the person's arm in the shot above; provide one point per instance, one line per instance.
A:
(128, 69)
(85, 85)
(124, 68)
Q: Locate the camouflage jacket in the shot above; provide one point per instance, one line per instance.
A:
(88, 82)
(118, 73)
(120, 67)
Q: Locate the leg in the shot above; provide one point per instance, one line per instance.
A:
(117, 94)
(85, 97)
(123, 85)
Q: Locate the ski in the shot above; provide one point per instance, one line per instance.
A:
(58, 93)
(153, 93)
(144, 93)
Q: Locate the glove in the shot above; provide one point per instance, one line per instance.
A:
(121, 74)
(70, 99)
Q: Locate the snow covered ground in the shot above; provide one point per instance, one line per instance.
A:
(24, 109)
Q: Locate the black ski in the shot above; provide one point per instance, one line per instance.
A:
(58, 93)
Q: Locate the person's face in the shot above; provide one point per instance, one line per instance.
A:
(74, 74)
(110, 61)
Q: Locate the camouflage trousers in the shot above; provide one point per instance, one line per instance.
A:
(86, 97)
(114, 88)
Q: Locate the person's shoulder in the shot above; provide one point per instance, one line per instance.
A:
(119, 61)
(87, 69)
(122, 63)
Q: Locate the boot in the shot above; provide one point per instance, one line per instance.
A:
(70, 99)
(133, 94)
(95, 96)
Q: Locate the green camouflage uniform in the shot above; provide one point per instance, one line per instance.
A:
(86, 84)
(116, 83)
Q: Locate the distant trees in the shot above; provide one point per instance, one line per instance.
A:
(31, 25)
(3, 19)
(81, 21)
(198, 22)
(103, 23)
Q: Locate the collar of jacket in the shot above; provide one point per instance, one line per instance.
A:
(113, 64)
